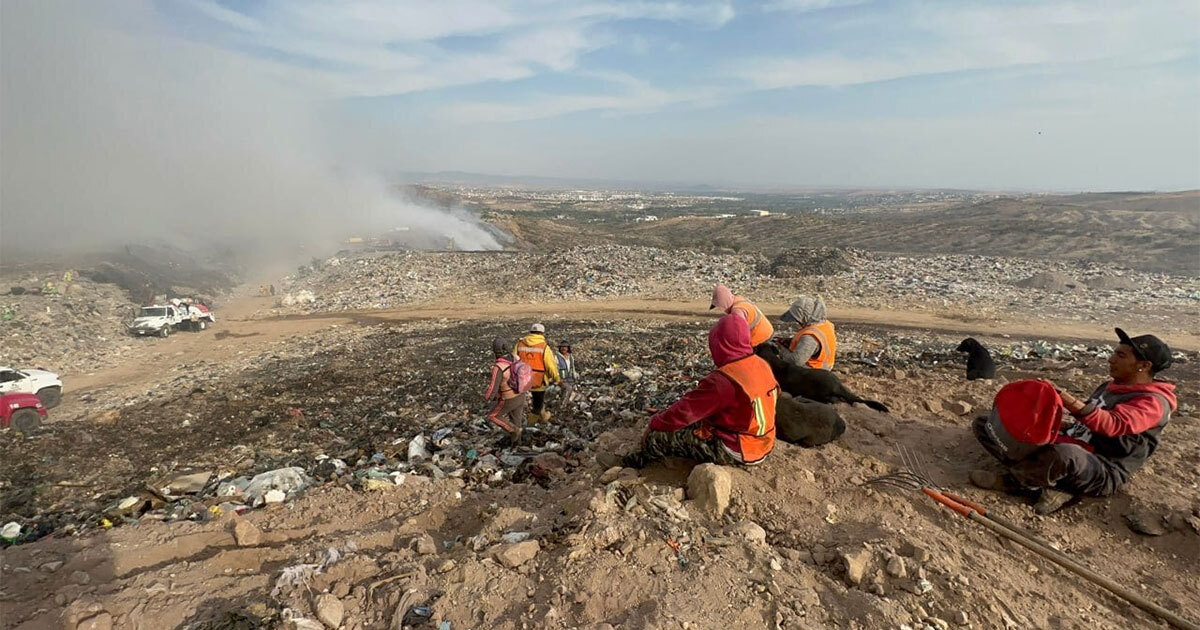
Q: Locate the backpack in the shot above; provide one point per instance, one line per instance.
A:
(1025, 416)
(520, 376)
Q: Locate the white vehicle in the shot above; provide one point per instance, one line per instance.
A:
(161, 319)
(156, 320)
(46, 385)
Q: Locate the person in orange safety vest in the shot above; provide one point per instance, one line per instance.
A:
(539, 355)
(728, 419)
(761, 329)
(815, 344)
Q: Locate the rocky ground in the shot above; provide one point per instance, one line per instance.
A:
(417, 513)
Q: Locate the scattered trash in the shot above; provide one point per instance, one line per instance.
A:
(10, 531)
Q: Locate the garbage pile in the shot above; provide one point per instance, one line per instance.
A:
(811, 261)
(61, 321)
(354, 407)
(580, 273)
(984, 285)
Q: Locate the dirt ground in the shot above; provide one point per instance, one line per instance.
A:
(604, 555)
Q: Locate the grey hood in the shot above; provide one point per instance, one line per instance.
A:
(805, 311)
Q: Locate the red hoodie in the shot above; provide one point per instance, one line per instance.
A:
(1132, 416)
(717, 403)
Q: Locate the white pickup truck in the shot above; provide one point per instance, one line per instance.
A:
(46, 385)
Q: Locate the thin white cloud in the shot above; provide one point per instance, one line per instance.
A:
(927, 39)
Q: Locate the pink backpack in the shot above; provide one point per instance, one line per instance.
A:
(520, 375)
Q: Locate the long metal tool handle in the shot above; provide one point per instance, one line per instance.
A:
(1064, 561)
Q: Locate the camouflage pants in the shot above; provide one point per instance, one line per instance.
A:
(683, 443)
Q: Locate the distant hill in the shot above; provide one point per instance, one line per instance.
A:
(1149, 231)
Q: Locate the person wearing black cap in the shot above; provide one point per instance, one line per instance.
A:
(1110, 436)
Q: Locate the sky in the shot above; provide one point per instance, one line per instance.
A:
(969, 94)
(1037, 95)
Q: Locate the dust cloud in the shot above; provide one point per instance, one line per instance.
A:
(115, 129)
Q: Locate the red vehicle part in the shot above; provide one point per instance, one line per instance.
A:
(22, 411)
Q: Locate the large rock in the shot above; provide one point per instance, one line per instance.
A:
(102, 621)
(245, 533)
(751, 532)
(425, 545)
(856, 565)
(329, 610)
(710, 486)
(516, 554)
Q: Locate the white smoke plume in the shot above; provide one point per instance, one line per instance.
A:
(114, 129)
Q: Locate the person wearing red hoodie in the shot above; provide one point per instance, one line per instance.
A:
(1110, 436)
(729, 418)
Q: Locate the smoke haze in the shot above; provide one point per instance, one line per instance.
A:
(115, 130)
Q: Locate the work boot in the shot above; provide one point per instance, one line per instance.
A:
(1052, 501)
(988, 480)
(532, 419)
(514, 436)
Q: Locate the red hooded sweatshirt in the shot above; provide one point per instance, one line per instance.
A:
(1135, 415)
(717, 402)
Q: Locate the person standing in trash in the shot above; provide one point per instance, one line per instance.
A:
(538, 355)
(761, 329)
(729, 418)
(1110, 436)
(815, 344)
(509, 412)
(566, 370)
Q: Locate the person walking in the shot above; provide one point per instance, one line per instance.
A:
(509, 411)
(538, 355)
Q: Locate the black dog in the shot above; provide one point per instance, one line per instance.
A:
(979, 362)
(817, 385)
(807, 423)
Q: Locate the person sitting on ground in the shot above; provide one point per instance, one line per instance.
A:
(566, 370)
(815, 344)
(728, 419)
(761, 329)
(537, 353)
(1110, 437)
(509, 412)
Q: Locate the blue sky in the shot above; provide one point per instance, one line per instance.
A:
(999, 95)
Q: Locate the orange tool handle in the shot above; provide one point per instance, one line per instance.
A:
(967, 502)
(948, 502)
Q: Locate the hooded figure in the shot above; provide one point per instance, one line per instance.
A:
(761, 329)
(815, 344)
(729, 418)
(509, 411)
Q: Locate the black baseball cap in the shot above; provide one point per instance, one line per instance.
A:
(1148, 348)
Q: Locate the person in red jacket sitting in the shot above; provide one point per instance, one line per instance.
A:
(1110, 436)
(729, 418)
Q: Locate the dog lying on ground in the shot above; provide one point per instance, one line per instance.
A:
(979, 361)
(807, 423)
(816, 385)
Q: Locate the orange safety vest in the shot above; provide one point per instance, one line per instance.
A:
(754, 377)
(826, 338)
(761, 329)
(534, 355)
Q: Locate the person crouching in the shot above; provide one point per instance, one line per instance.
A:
(729, 418)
